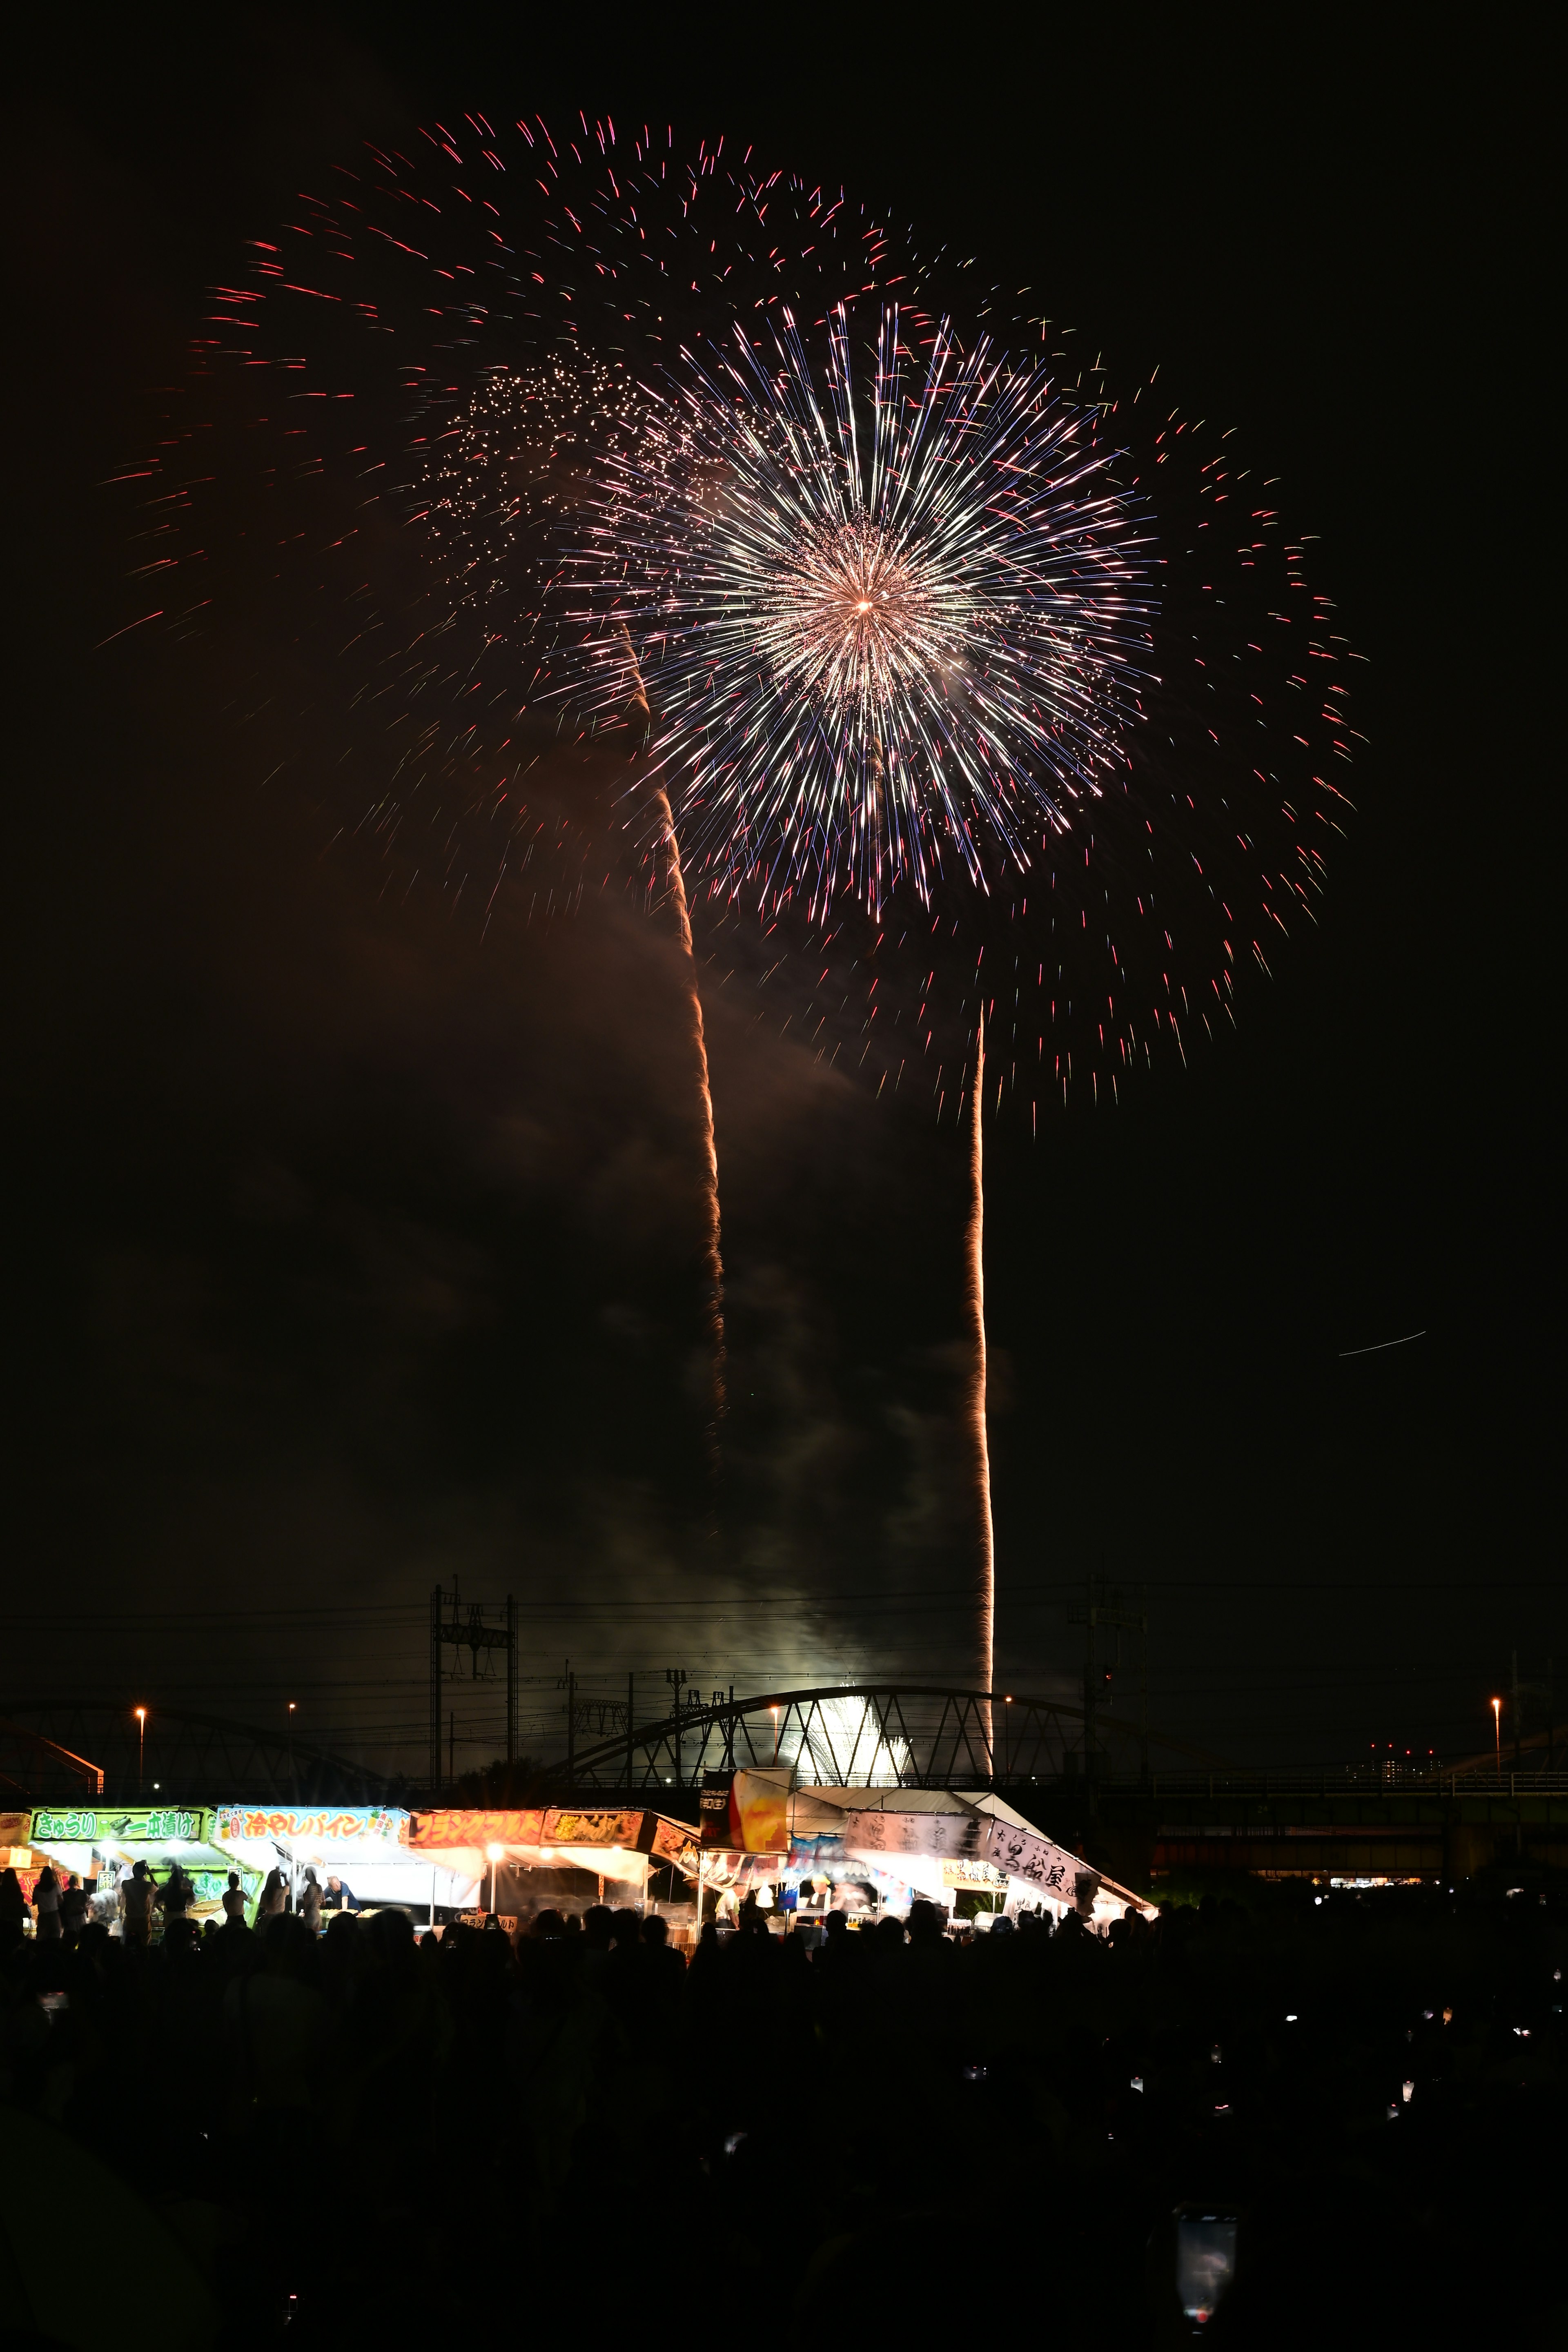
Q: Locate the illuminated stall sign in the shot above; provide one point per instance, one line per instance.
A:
(958, 1836)
(329, 1825)
(544, 1826)
(563, 1827)
(673, 1842)
(1023, 1854)
(449, 1827)
(747, 1812)
(974, 1875)
(121, 1825)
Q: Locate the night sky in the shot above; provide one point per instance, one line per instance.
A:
(349, 1252)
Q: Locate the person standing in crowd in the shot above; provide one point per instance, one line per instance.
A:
(174, 1894)
(273, 1899)
(13, 1904)
(136, 1906)
(234, 1898)
(310, 1901)
(73, 1909)
(47, 1902)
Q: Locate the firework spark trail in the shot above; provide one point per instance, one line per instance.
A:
(985, 1550)
(712, 1254)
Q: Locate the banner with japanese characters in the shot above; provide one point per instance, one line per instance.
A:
(956, 1835)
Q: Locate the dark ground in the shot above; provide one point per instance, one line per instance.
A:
(888, 2134)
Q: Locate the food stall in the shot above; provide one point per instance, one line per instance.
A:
(878, 1850)
(367, 1848)
(101, 1843)
(555, 1857)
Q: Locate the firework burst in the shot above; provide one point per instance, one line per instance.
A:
(888, 620)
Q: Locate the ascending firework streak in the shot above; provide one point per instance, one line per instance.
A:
(985, 1551)
(714, 1260)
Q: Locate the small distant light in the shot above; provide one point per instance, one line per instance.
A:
(1426, 2013)
(1137, 2082)
(1394, 2115)
(495, 1854)
(1407, 2091)
(1317, 1899)
(1291, 2018)
(1523, 2031)
(1215, 2055)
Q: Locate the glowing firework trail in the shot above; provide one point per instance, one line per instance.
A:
(714, 1260)
(986, 1553)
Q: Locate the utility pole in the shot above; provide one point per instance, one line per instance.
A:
(1513, 1661)
(1143, 1683)
(631, 1718)
(510, 1680)
(477, 1631)
(1102, 1606)
(1550, 1719)
(436, 1692)
(676, 1676)
(570, 1726)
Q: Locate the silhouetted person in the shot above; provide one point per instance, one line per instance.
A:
(310, 1902)
(136, 1905)
(273, 1899)
(47, 1903)
(174, 1894)
(13, 1904)
(234, 1898)
(667, 1967)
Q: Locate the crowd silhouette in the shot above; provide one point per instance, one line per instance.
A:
(378, 2127)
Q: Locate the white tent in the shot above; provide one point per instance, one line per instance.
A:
(925, 1839)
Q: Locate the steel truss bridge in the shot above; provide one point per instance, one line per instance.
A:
(868, 1735)
(60, 1747)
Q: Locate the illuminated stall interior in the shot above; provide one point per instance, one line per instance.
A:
(557, 1857)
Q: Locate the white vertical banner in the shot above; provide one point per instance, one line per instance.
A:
(1022, 1854)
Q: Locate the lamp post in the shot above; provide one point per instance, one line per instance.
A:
(1496, 1733)
(141, 1715)
(494, 1853)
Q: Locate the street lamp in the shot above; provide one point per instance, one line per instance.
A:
(1496, 1733)
(494, 1853)
(141, 1715)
